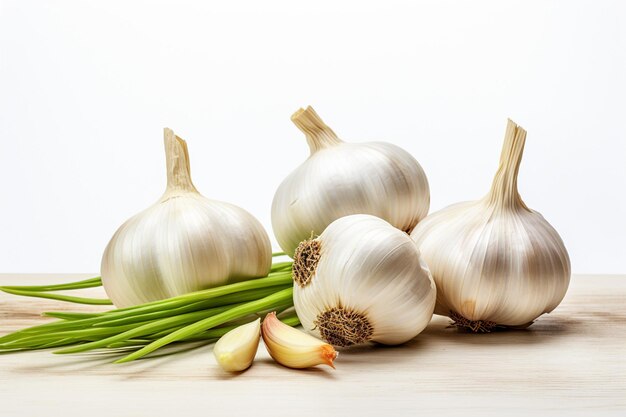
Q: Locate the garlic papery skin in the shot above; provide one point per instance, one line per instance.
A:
(362, 280)
(236, 350)
(340, 178)
(185, 242)
(293, 348)
(495, 261)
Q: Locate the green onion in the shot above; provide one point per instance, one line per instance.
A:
(36, 290)
(68, 316)
(77, 285)
(201, 316)
(68, 298)
(202, 325)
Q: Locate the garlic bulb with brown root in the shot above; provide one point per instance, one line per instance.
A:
(185, 242)
(341, 178)
(362, 280)
(495, 261)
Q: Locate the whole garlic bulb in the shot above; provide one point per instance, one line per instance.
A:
(495, 261)
(185, 242)
(362, 280)
(342, 178)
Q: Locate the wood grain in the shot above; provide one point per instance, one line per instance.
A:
(570, 362)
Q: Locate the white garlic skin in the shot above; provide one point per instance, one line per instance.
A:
(370, 267)
(495, 259)
(508, 267)
(185, 242)
(339, 179)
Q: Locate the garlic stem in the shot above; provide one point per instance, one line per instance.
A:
(177, 163)
(504, 191)
(318, 135)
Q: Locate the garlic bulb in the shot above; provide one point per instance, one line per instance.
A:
(342, 178)
(495, 261)
(362, 280)
(185, 242)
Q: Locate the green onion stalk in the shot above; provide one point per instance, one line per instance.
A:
(201, 317)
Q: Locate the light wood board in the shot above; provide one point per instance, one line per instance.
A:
(570, 362)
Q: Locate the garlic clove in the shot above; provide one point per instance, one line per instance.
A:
(236, 350)
(293, 348)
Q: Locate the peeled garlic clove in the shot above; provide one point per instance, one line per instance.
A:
(362, 280)
(340, 178)
(292, 348)
(495, 261)
(183, 243)
(236, 350)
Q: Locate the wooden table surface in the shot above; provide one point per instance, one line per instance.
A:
(570, 362)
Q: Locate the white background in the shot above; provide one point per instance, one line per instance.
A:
(87, 87)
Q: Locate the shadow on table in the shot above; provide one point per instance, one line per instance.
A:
(440, 335)
(322, 371)
(101, 362)
(544, 330)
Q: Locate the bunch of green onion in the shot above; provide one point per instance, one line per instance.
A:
(201, 316)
